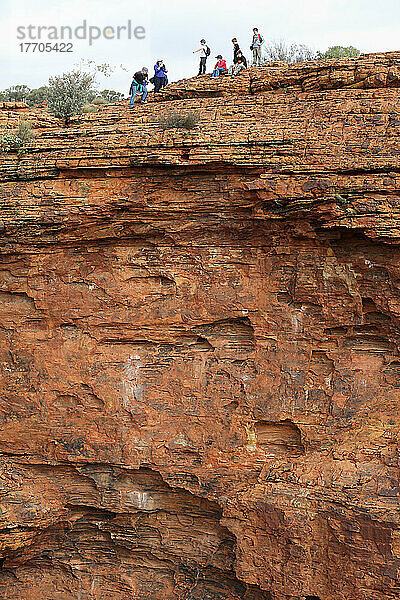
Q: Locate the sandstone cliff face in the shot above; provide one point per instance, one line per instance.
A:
(200, 344)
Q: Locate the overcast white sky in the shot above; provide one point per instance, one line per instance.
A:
(174, 28)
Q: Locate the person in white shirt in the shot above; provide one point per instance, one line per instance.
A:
(204, 53)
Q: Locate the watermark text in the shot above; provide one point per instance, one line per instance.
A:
(86, 32)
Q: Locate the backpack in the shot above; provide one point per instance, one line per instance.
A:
(260, 39)
(208, 51)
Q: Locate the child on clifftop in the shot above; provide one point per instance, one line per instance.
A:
(241, 64)
(220, 67)
(204, 53)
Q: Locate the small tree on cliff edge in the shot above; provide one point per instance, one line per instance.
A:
(67, 94)
(339, 52)
(295, 53)
(279, 50)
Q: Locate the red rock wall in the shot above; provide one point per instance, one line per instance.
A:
(200, 345)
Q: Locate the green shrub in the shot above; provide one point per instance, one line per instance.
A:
(295, 53)
(25, 132)
(339, 52)
(10, 142)
(179, 120)
(18, 139)
(37, 96)
(89, 108)
(16, 93)
(111, 95)
(98, 100)
(67, 94)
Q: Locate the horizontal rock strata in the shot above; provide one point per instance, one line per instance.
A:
(200, 343)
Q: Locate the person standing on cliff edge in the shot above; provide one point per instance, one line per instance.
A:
(236, 49)
(256, 44)
(160, 76)
(204, 53)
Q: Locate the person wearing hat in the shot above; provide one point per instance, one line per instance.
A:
(204, 53)
(220, 67)
(138, 86)
(160, 76)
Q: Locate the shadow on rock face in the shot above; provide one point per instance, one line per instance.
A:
(128, 535)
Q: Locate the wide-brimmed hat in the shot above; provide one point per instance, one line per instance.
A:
(219, 56)
(203, 41)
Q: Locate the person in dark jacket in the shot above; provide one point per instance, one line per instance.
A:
(236, 49)
(241, 64)
(138, 86)
(160, 76)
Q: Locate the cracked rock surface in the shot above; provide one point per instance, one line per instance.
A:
(199, 343)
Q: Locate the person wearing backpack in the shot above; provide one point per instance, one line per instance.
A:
(138, 86)
(204, 53)
(256, 44)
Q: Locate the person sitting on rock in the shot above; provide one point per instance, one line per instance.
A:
(138, 86)
(241, 64)
(220, 67)
(160, 76)
(204, 53)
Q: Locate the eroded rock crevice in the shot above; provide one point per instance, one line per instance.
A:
(283, 437)
(122, 534)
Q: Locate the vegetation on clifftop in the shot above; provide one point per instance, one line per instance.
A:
(295, 53)
(178, 120)
(16, 140)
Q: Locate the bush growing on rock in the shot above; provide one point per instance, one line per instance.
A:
(37, 96)
(179, 120)
(15, 93)
(289, 53)
(67, 94)
(89, 108)
(111, 95)
(295, 53)
(18, 139)
(22, 93)
(99, 100)
(339, 52)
